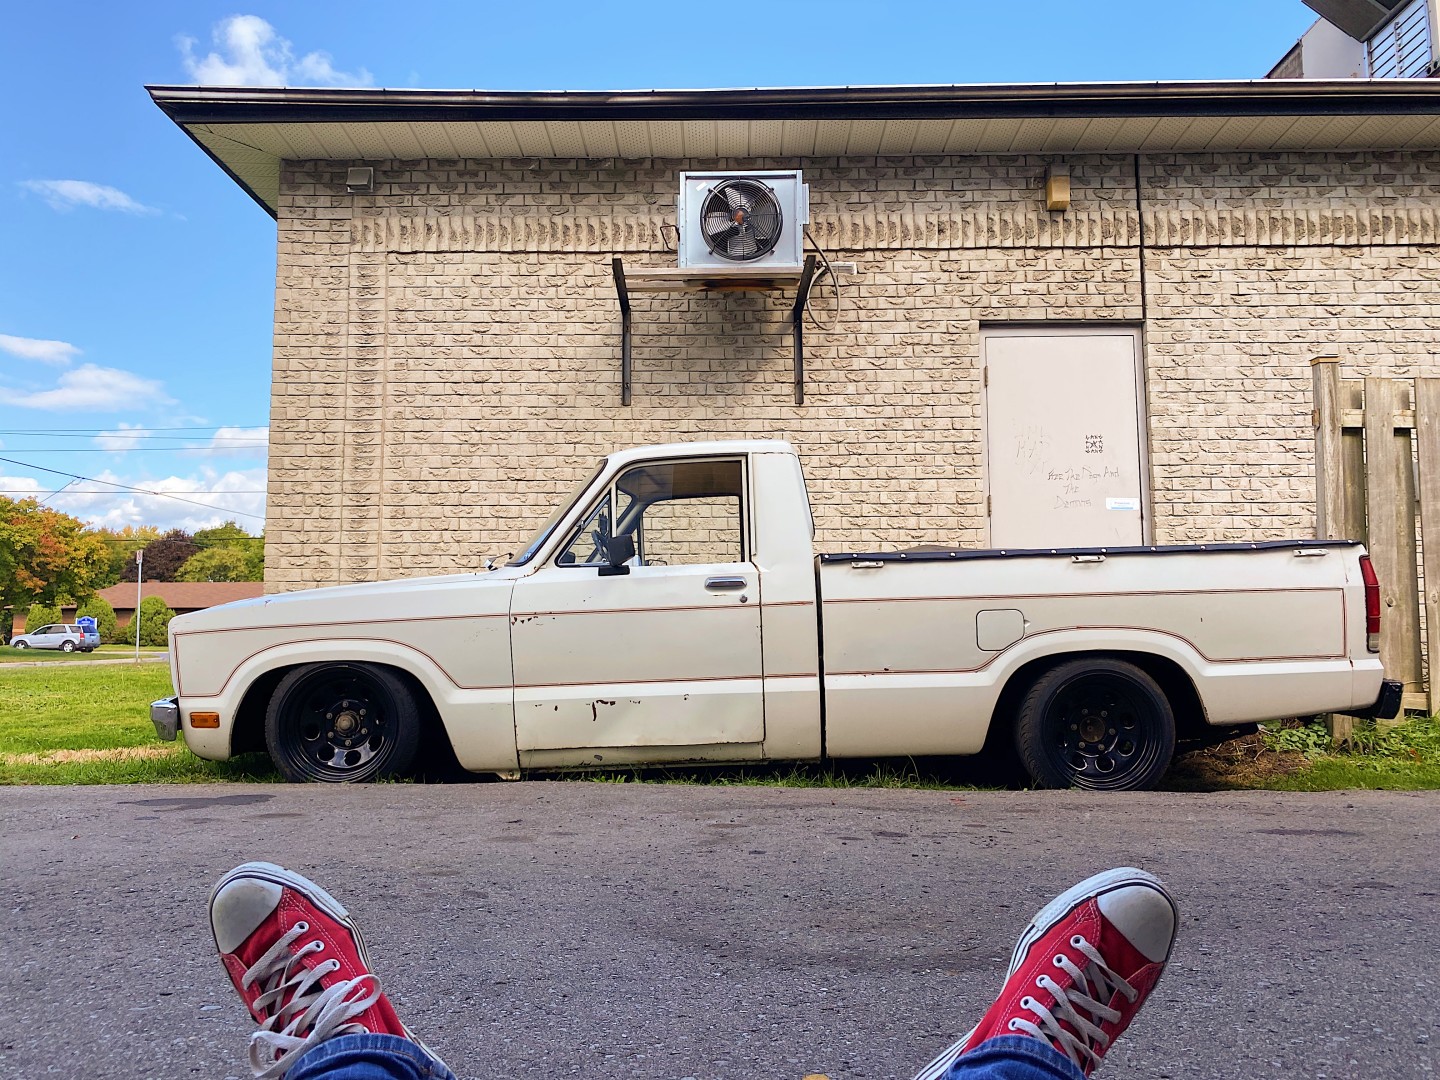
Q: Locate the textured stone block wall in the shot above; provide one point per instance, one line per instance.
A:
(447, 350)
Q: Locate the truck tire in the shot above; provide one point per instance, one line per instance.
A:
(341, 723)
(1099, 724)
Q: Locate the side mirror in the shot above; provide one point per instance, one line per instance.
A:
(619, 550)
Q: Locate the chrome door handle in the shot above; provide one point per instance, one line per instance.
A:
(723, 583)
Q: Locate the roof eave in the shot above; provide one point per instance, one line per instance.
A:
(1268, 97)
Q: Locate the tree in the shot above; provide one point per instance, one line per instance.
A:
(243, 558)
(165, 556)
(40, 615)
(121, 545)
(46, 556)
(104, 615)
(217, 564)
(154, 619)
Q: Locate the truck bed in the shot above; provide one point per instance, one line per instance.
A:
(1261, 630)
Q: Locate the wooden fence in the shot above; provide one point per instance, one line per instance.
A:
(1377, 454)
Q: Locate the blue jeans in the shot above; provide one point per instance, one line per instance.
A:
(368, 1057)
(388, 1057)
(1014, 1057)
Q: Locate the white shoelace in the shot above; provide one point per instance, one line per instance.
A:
(312, 1014)
(1092, 986)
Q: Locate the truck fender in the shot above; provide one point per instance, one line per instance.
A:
(1031, 654)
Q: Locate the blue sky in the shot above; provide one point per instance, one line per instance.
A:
(136, 280)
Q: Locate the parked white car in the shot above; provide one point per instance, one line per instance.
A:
(673, 610)
(67, 637)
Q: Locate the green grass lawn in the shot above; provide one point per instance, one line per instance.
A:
(11, 655)
(91, 725)
(1402, 757)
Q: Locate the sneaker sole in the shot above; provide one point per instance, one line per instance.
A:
(321, 899)
(1044, 921)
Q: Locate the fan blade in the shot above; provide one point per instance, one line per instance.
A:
(734, 196)
(750, 196)
(719, 239)
(742, 245)
(765, 221)
(716, 221)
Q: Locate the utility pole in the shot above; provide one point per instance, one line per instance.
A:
(139, 585)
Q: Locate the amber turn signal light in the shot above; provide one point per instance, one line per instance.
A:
(205, 719)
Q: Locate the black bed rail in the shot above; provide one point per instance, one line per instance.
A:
(957, 554)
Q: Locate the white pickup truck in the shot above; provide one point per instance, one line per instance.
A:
(674, 611)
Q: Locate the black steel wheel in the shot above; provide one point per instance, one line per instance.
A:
(341, 723)
(1099, 724)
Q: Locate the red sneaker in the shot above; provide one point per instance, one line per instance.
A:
(299, 964)
(1081, 970)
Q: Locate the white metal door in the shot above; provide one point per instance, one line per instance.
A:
(1062, 444)
(664, 656)
(664, 652)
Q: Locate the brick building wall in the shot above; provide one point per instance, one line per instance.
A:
(447, 350)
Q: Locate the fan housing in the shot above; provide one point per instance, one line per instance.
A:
(742, 221)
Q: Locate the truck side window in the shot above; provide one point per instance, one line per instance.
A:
(584, 548)
(703, 529)
(686, 512)
(677, 512)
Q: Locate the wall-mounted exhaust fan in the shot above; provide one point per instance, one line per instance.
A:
(742, 220)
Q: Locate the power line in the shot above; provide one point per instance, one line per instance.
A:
(201, 543)
(134, 449)
(70, 432)
(106, 491)
(135, 436)
(127, 487)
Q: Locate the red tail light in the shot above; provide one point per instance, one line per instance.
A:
(1372, 604)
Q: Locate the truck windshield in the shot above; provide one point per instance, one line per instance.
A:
(538, 540)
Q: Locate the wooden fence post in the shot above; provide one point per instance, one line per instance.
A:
(1390, 532)
(1427, 436)
(1329, 463)
(1339, 473)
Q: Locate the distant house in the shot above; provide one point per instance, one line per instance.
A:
(179, 596)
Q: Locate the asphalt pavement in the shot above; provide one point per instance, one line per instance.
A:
(543, 929)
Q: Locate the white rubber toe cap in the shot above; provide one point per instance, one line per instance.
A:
(239, 907)
(1145, 915)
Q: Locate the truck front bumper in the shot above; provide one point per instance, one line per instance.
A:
(1387, 705)
(165, 715)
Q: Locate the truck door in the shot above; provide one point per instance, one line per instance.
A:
(662, 651)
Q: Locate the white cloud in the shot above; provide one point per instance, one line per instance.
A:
(237, 442)
(23, 487)
(125, 437)
(68, 194)
(238, 495)
(39, 349)
(95, 389)
(251, 53)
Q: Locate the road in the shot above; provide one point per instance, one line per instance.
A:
(608, 930)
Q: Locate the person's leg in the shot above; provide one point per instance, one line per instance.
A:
(300, 966)
(1078, 975)
(368, 1057)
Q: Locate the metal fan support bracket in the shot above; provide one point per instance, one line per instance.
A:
(711, 280)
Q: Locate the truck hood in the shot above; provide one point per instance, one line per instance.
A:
(450, 595)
